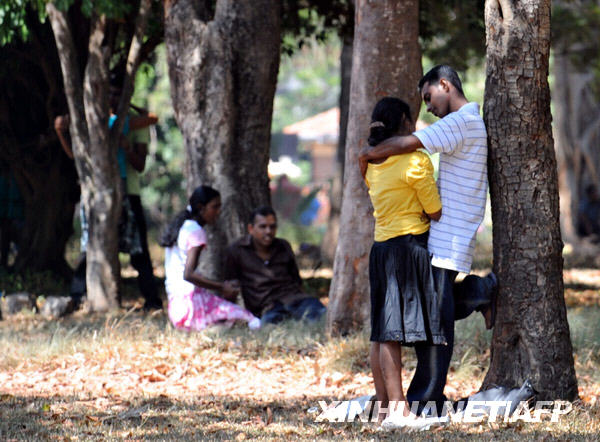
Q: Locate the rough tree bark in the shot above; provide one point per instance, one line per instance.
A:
(223, 71)
(531, 337)
(94, 146)
(386, 62)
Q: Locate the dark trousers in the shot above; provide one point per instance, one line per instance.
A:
(78, 283)
(5, 238)
(309, 309)
(458, 300)
(140, 261)
(10, 230)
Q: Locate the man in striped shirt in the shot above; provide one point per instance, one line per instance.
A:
(461, 140)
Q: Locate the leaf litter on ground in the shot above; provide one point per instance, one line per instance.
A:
(133, 376)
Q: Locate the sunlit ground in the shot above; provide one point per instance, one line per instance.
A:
(132, 376)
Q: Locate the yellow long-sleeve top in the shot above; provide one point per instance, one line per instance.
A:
(401, 188)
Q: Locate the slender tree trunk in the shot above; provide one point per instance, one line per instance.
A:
(346, 74)
(95, 147)
(577, 129)
(101, 190)
(576, 113)
(333, 226)
(531, 337)
(96, 163)
(223, 71)
(386, 62)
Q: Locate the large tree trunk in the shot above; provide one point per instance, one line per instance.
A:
(30, 96)
(223, 71)
(531, 337)
(95, 147)
(47, 177)
(333, 225)
(386, 62)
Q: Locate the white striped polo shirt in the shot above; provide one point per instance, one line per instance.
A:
(461, 139)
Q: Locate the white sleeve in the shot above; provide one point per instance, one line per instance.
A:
(445, 135)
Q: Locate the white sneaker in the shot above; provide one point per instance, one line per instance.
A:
(410, 422)
(433, 422)
(254, 324)
(430, 416)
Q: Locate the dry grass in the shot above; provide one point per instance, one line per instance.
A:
(126, 376)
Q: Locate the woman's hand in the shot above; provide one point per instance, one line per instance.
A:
(435, 216)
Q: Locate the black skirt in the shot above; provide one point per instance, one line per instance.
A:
(405, 306)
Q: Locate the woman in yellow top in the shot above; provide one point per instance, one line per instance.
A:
(404, 303)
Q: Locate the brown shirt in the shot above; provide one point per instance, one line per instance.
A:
(264, 282)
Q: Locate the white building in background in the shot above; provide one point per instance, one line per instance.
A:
(319, 136)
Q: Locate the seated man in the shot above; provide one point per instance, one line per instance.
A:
(266, 269)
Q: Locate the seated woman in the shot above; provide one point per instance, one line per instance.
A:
(404, 303)
(192, 303)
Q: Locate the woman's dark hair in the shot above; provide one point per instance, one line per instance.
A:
(388, 116)
(200, 197)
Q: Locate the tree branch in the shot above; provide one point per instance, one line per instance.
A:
(149, 46)
(133, 62)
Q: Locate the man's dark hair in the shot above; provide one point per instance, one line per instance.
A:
(262, 211)
(438, 72)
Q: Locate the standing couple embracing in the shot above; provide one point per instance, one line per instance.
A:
(424, 236)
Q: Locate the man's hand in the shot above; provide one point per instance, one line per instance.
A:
(363, 165)
(61, 123)
(231, 290)
(365, 153)
(396, 145)
(136, 156)
(125, 144)
(363, 159)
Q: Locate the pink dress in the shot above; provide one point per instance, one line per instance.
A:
(191, 307)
